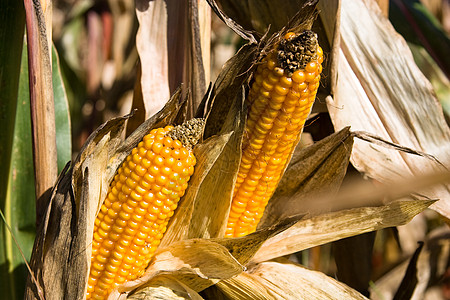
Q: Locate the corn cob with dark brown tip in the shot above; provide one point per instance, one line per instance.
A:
(280, 99)
(141, 199)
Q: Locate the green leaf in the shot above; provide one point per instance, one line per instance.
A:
(19, 205)
(20, 209)
(62, 115)
(437, 78)
(417, 25)
(12, 24)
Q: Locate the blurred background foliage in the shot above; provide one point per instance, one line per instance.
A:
(98, 61)
(95, 41)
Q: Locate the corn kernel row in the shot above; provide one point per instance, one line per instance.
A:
(134, 216)
(279, 103)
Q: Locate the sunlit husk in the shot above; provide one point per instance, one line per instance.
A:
(285, 280)
(389, 98)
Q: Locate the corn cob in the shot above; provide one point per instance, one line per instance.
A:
(280, 99)
(140, 201)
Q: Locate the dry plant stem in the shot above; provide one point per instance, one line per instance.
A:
(280, 99)
(41, 99)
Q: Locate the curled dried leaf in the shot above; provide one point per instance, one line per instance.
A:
(198, 263)
(329, 227)
(380, 90)
(285, 280)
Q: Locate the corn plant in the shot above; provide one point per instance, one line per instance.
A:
(217, 191)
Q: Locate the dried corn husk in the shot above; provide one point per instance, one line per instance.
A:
(380, 90)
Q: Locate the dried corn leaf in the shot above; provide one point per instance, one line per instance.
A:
(313, 171)
(244, 248)
(245, 286)
(198, 263)
(285, 280)
(207, 153)
(231, 23)
(261, 15)
(333, 226)
(330, 20)
(228, 86)
(431, 266)
(203, 210)
(170, 50)
(152, 46)
(165, 287)
(380, 90)
(353, 257)
(63, 242)
(409, 282)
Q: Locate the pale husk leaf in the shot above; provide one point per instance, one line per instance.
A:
(171, 53)
(165, 287)
(333, 226)
(198, 263)
(380, 90)
(245, 286)
(244, 248)
(202, 212)
(207, 154)
(285, 280)
(151, 43)
(216, 190)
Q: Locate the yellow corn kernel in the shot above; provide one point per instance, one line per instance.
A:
(280, 100)
(140, 201)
